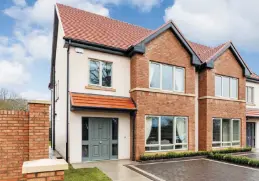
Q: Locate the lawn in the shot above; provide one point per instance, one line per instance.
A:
(85, 174)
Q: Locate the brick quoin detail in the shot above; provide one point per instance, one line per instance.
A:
(23, 137)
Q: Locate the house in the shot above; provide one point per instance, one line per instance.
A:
(120, 90)
(252, 111)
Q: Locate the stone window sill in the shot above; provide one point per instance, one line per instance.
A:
(93, 87)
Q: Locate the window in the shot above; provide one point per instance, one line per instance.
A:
(226, 87)
(166, 77)
(226, 132)
(100, 73)
(166, 133)
(250, 95)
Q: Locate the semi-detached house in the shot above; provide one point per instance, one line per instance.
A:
(120, 90)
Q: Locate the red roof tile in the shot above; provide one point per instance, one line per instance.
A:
(86, 26)
(255, 76)
(102, 102)
(252, 112)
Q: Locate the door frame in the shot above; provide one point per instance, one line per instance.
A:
(111, 142)
(253, 136)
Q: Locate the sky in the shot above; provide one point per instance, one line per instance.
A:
(26, 32)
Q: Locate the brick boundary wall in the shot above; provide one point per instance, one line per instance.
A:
(23, 136)
(44, 176)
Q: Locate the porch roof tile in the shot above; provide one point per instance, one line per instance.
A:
(252, 112)
(93, 101)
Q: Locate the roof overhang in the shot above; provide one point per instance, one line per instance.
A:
(210, 63)
(252, 113)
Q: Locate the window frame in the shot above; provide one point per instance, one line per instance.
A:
(231, 134)
(252, 94)
(159, 145)
(230, 87)
(161, 77)
(100, 73)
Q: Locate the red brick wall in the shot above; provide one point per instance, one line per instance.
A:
(23, 137)
(209, 108)
(44, 176)
(168, 50)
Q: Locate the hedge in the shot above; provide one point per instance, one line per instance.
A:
(170, 155)
(241, 160)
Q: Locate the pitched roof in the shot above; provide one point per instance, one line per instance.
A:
(254, 76)
(251, 112)
(89, 27)
(80, 100)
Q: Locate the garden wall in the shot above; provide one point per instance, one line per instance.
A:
(24, 136)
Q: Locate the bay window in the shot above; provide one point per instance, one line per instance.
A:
(166, 77)
(166, 133)
(225, 132)
(226, 87)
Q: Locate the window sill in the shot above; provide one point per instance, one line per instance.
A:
(161, 91)
(94, 87)
(250, 104)
(222, 98)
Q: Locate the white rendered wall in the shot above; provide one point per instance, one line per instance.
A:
(79, 72)
(61, 62)
(75, 133)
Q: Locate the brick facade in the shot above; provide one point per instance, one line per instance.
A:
(23, 137)
(166, 49)
(44, 176)
(209, 107)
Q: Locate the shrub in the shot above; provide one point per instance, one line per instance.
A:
(241, 160)
(170, 155)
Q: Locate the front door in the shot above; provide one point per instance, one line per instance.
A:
(100, 139)
(250, 134)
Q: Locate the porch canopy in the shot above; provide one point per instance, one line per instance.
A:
(252, 113)
(80, 101)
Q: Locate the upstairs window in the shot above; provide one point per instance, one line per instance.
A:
(250, 95)
(226, 87)
(100, 73)
(166, 77)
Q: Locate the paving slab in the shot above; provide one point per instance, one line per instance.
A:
(116, 170)
(199, 170)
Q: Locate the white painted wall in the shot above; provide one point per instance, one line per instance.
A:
(79, 72)
(75, 132)
(256, 106)
(61, 67)
(256, 94)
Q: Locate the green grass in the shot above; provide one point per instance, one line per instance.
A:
(85, 174)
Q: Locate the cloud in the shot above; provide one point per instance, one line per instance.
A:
(20, 2)
(12, 73)
(145, 5)
(213, 22)
(35, 95)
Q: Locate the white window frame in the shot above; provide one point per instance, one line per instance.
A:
(159, 145)
(230, 87)
(231, 134)
(252, 94)
(100, 73)
(161, 77)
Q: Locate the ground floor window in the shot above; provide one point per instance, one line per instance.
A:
(166, 133)
(226, 132)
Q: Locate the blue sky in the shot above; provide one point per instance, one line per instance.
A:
(26, 32)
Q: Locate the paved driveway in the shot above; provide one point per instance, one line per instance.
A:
(197, 170)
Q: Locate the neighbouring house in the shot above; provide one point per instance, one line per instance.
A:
(120, 90)
(252, 111)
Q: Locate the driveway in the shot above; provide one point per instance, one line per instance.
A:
(196, 170)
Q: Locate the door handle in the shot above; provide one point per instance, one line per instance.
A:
(100, 142)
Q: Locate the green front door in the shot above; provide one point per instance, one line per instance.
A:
(100, 139)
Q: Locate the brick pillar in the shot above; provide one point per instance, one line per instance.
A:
(38, 130)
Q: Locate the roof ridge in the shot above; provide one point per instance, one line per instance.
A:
(105, 17)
